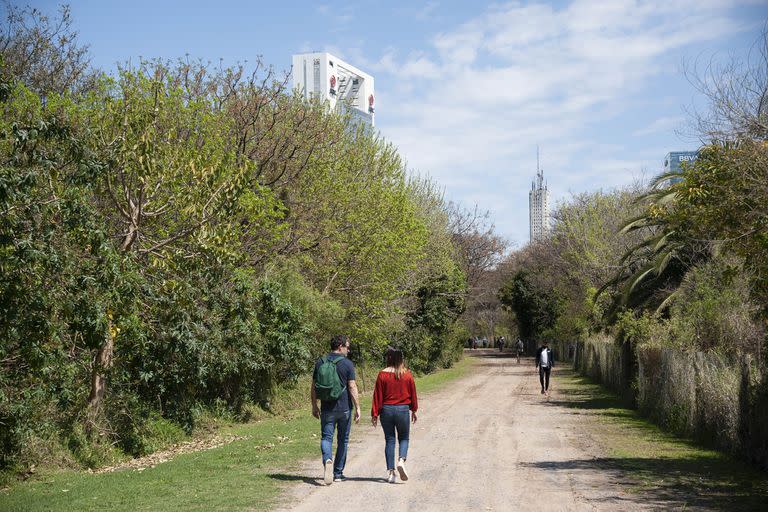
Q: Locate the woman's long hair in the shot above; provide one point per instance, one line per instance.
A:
(394, 359)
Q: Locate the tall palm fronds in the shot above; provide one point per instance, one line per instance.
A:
(650, 271)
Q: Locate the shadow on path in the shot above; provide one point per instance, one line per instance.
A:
(318, 482)
(488, 358)
(591, 396)
(489, 353)
(669, 482)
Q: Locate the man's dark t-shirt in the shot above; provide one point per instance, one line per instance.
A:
(346, 371)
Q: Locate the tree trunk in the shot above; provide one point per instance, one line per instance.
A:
(493, 333)
(103, 359)
(101, 364)
(130, 237)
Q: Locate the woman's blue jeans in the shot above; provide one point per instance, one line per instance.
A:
(395, 418)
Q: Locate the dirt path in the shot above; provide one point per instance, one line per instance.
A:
(490, 441)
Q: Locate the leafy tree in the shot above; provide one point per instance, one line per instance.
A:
(61, 276)
(428, 342)
(363, 236)
(478, 251)
(536, 309)
(169, 188)
(722, 200)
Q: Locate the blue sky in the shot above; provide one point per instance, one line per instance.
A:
(466, 90)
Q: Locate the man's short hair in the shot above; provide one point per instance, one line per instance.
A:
(339, 341)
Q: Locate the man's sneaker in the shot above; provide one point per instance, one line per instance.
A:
(391, 477)
(542, 391)
(401, 470)
(340, 478)
(328, 472)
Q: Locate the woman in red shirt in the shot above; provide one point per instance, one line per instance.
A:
(393, 396)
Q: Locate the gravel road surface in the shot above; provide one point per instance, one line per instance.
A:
(489, 441)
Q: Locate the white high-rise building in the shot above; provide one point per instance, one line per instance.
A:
(538, 205)
(328, 78)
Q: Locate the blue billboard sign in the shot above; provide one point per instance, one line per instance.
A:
(674, 160)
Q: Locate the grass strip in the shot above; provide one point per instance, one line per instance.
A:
(237, 476)
(669, 471)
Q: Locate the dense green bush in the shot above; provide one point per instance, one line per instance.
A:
(537, 307)
(714, 310)
(430, 340)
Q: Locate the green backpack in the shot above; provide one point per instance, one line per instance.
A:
(328, 384)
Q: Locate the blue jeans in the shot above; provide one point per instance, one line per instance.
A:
(330, 421)
(395, 418)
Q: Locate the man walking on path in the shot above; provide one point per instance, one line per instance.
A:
(333, 383)
(519, 349)
(544, 362)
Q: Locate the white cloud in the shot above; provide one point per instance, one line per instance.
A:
(460, 47)
(662, 124)
(472, 107)
(427, 11)
(338, 15)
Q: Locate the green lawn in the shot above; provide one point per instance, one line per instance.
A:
(662, 468)
(243, 475)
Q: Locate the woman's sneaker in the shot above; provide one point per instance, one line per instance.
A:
(391, 477)
(328, 472)
(401, 470)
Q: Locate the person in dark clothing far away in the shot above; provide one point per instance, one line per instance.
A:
(545, 361)
(333, 383)
(393, 397)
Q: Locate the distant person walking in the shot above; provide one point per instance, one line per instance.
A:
(333, 383)
(545, 361)
(393, 397)
(519, 349)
